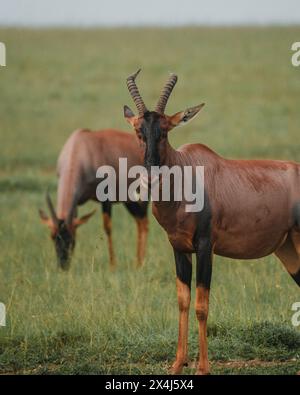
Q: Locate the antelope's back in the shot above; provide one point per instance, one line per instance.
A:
(89, 150)
(85, 151)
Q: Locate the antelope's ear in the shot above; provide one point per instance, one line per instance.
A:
(183, 117)
(45, 219)
(83, 219)
(129, 116)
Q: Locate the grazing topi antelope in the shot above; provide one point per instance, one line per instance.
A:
(251, 209)
(83, 153)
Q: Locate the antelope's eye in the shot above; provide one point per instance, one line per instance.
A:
(141, 136)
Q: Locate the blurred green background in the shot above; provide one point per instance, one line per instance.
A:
(90, 320)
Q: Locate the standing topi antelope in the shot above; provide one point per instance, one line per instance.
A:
(83, 153)
(251, 209)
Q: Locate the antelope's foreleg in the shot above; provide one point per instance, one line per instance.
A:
(203, 279)
(106, 208)
(142, 232)
(183, 284)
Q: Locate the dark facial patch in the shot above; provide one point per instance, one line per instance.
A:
(151, 134)
(64, 244)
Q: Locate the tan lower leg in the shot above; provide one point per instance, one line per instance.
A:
(202, 301)
(142, 230)
(107, 228)
(184, 298)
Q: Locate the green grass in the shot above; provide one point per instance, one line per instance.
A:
(90, 320)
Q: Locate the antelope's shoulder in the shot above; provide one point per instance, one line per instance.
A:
(197, 147)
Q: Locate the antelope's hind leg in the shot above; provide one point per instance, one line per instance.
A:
(204, 254)
(106, 211)
(289, 255)
(183, 284)
(142, 230)
(139, 211)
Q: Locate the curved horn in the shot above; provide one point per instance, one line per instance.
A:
(135, 94)
(51, 209)
(165, 94)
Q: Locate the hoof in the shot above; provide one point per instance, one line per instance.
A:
(112, 267)
(177, 367)
(139, 265)
(202, 372)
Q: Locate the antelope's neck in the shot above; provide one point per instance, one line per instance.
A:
(67, 191)
(172, 156)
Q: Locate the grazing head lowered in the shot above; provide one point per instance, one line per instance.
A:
(62, 232)
(152, 127)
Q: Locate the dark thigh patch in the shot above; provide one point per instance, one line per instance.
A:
(106, 207)
(183, 267)
(203, 245)
(296, 214)
(204, 263)
(137, 209)
(296, 277)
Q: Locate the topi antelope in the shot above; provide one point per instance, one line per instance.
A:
(83, 153)
(251, 209)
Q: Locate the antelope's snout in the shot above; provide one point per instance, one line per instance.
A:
(64, 242)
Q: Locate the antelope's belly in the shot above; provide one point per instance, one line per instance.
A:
(248, 246)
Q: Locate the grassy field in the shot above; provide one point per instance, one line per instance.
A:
(90, 320)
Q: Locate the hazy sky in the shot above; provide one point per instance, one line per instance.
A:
(139, 12)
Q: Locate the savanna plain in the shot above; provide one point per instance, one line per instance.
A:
(90, 320)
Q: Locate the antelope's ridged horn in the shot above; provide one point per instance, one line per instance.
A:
(135, 94)
(51, 209)
(165, 94)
